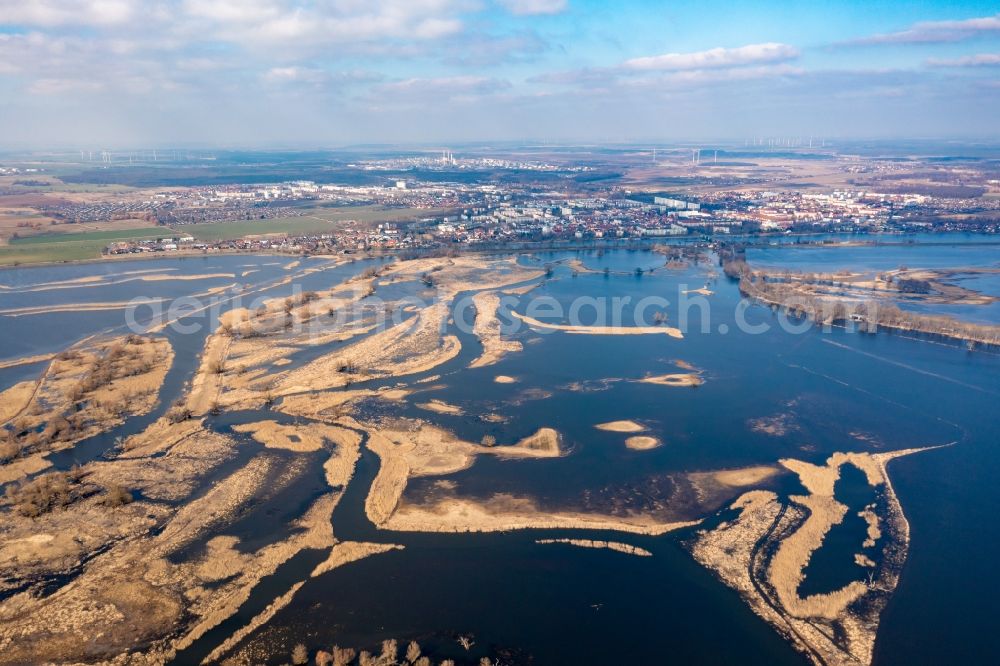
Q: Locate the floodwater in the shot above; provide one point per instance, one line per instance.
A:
(938, 252)
(554, 604)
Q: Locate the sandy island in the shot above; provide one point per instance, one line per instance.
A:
(676, 380)
(487, 328)
(441, 407)
(641, 443)
(608, 545)
(621, 426)
(764, 552)
(600, 330)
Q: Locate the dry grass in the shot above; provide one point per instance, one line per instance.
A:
(487, 329)
(86, 390)
(609, 545)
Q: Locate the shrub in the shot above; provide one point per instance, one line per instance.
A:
(179, 412)
(9, 450)
(44, 494)
(390, 652)
(116, 496)
(300, 654)
(342, 656)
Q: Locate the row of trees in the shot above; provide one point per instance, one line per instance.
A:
(389, 656)
(868, 314)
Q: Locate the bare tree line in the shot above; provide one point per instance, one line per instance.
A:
(868, 315)
(388, 656)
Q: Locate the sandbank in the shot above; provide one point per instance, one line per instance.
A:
(770, 544)
(441, 407)
(609, 545)
(504, 512)
(487, 329)
(676, 379)
(621, 426)
(641, 443)
(346, 552)
(298, 438)
(186, 278)
(25, 360)
(601, 330)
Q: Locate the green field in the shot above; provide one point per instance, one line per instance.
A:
(318, 220)
(70, 247)
(88, 245)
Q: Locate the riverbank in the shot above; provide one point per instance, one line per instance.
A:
(866, 315)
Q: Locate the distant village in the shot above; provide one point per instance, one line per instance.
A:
(488, 215)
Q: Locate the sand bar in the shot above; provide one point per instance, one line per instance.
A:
(601, 330)
(641, 443)
(621, 426)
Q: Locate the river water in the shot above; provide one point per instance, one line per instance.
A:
(555, 604)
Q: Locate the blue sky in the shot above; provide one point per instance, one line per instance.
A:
(120, 73)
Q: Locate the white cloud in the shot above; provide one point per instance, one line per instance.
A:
(928, 32)
(48, 13)
(534, 7)
(978, 60)
(445, 86)
(751, 54)
(298, 23)
(294, 75)
(62, 86)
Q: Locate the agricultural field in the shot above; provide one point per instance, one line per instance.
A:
(59, 247)
(318, 220)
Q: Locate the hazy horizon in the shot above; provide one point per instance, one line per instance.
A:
(340, 73)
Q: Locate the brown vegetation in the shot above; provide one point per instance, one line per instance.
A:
(798, 298)
(764, 552)
(84, 391)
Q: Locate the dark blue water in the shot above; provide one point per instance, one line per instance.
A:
(841, 391)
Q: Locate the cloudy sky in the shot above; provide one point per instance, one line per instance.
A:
(121, 73)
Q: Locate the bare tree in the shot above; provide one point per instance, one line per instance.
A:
(300, 654)
(342, 656)
(390, 652)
